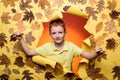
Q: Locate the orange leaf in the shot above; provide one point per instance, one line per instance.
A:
(99, 26)
(17, 16)
(5, 18)
(20, 26)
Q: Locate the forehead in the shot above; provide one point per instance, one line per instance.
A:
(53, 28)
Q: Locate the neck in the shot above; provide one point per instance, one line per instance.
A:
(59, 46)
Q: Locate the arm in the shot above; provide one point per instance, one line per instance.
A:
(90, 55)
(27, 50)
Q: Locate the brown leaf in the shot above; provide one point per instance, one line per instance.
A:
(17, 16)
(100, 5)
(5, 18)
(58, 69)
(49, 75)
(99, 26)
(2, 39)
(4, 77)
(7, 49)
(66, 8)
(91, 12)
(29, 38)
(104, 16)
(30, 63)
(83, 1)
(17, 47)
(114, 14)
(28, 16)
(111, 44)
(110, 26)
(101, 56)
(16, 71)
(49, 12)
(24, 5)
(116, 71)
(35, 26)
(9, 2)
(4, 60)
(43, 3)
(39, 15)
(118, 33)
(112, 4)
(27, 75)
(7, 71)
(19, 61)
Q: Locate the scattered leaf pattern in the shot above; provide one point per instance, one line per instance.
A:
(27, 75)
(24, 5)
(116, 71)
(2, 39)
(5, 18)
(19, 61)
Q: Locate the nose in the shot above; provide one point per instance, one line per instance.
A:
(57, 35)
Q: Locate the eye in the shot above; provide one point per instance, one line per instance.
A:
(53, 33)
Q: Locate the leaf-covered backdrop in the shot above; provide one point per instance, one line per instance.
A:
(28, 16)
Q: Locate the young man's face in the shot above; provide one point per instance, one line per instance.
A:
(57, 34)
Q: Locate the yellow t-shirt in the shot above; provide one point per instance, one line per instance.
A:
(64, 56)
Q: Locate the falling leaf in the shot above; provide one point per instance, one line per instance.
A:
(21, 27)
(4, 60)
(30, 63)
(100, 5)
(49, 75)
(83, 1)
(57, 3)
(58, 69)
(19, 61)
(28, 16)
(39, 15)
(99, 26)
(13, 38)
(24, 5)
(16, 71)
(71, 76)
(114, 14)
(35, 26)
(49, 12)
(27, 75)
(44, 3)
(17, 47)
(17, 16)
(6, 3)
(5, 18)
(74, 1)
(94, 73)
(111, 44)
(104, 16)
(29, 38)
(13, 10)
(66, 8)
(91, 12)
(7, 71)
(40, 69)
(112, 4)
(101, 56)
(7, 49)
(4, 77)
(116, 71)
(118, 33)
(2, 39)
(110, 26)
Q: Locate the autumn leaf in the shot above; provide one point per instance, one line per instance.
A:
(43, 3)
(6, 3)
(7, 71)
(24, 5)
(5, 18)
(100, 5)
(20, 26)
(35, 26)
(29, 38)
(16, 71)
(39, 15)
(111, 44)
(58, 69)
(40, 69)
(28, 16)
(116, 71)
(27, 75)
(66, 8)
(110, 26)
(4, 60)
(4, 77)
(114, 14)
(19, 61)
(57, 3)
(2, 39)
(49, 12)
(74, 1)
(83, 1)
(112, 4)
(17, 47)
(7, 49)
(104, 16)
(94, 73)
(101, 56)
(17, 16)
(91, 12)
(118, 33)
(30, 63)
(49, 75)
(99, 26)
